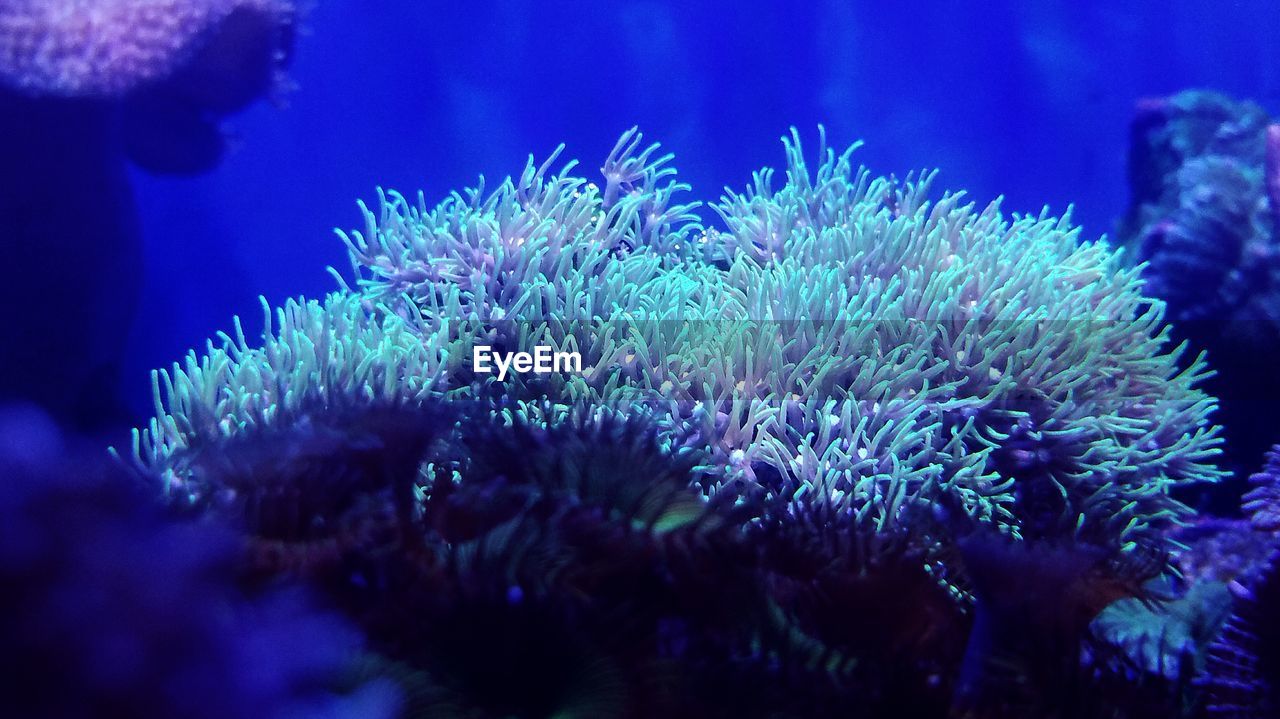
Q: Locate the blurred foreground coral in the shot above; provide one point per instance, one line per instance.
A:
(114, 607)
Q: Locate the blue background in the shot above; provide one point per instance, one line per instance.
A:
(1031, 100)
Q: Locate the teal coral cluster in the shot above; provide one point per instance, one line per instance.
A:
(842, 340)
(846, 399)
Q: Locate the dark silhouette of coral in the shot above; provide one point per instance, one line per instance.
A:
(66, 207)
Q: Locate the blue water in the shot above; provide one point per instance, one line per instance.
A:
(1030, 100)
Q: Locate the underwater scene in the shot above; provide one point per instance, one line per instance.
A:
(640, 359)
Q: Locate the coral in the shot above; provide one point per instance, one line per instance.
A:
(852, 344)
(107, 48)
(312, 496)
(1204, 179)
(173, 67)
(1211, 622)
(1262, 503)
(1199, 212)
(573, 569)
(87, 86)
(174, 126)
(322, 357)
(846, 320)
(846, 392)
(1219, 550)
(112, 607)
(1243, 668)
(1167, 638)
(836, 627)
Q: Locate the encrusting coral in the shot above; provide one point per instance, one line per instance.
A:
(885, 385)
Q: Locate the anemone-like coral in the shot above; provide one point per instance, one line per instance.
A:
(318, 357)
(575, 569)
(848, 391)
(841, 341)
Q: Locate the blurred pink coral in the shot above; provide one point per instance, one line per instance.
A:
(109, 48)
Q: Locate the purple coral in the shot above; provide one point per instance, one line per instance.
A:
(1262, 503)
(1204, 176)
(173, 66)
(108, 48)
(1243, 669)
(1196, 179)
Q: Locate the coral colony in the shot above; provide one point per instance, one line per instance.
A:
(863, 445)
(1205, 218)
(109, 48)
(88, 87)
(844, 342)
(175, 67)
